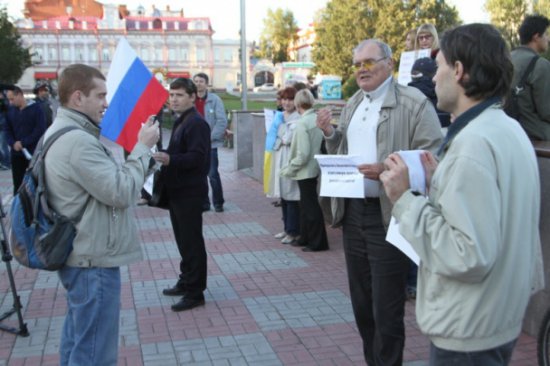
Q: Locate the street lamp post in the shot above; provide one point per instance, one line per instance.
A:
(243, 58)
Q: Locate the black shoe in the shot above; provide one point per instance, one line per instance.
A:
(174, 291)
(308, 249)
(205, 208)
(187, 303)
(218, 208)
(298, 243)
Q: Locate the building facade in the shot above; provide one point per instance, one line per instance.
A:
(170, 44)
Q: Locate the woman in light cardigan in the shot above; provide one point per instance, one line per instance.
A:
(303, 168)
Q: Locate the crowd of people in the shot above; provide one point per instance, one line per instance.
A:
(482, 199)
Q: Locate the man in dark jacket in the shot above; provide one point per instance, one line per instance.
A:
(42, 92)
(25, 125)
(185, 166)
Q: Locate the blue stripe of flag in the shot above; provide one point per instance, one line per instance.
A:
(126, 96)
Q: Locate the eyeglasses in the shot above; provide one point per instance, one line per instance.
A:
(368, 63)
(425, 37)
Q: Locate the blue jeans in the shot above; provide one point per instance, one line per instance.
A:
(215, 180)
(499, 356)
(90, 331)
(291, 217)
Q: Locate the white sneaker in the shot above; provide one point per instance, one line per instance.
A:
(281, 235)
(289, 239)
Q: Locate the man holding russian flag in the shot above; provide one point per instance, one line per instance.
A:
(88, 186)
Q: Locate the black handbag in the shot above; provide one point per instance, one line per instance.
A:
(159, 197)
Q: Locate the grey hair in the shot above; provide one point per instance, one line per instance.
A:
(384, 48)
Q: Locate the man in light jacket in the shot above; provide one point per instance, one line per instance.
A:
(477, 234)
(382, 117)
(210, 106)
(83, 178)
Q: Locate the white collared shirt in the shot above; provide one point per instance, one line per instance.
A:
(361, 133)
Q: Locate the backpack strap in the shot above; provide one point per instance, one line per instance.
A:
(39, 158)
(528, 71)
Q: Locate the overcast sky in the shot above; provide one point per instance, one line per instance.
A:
(225, 14)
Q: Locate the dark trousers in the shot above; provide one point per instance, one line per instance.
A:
(186, 217)
(291, 217)
(215, 181)
(312, 223)
(19, 165)
(377, 274)
(499, 356)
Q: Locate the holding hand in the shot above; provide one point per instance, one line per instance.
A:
(371, 171)
(162, 157)
(324, 116)
(430, 164)
(149, 133)
(396, 177)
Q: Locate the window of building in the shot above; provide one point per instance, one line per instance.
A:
(66, 54)
(201, 54)
(217, 54)
(228, 56)
(92, 53)
(52, 53)
(145, 54)
(106, 54)
(171, 54)
(184, 54)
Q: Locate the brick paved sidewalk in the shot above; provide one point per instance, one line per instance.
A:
(266, 303)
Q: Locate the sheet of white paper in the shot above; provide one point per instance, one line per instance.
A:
(394, 237)
(148, 185)
(340, 177)
(407, 61)
(417, 176)
(268, 115)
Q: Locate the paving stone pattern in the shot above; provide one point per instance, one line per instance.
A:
(267, 304)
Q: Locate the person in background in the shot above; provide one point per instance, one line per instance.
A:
(5, 163)
(286, 189)
(410, 40)
(210, 106)
(427, 38)
(42, 92)
(422, 73)
(84, 179)
(184, 171)
(380, 118)
(477, 232)
(303, 168)
(534, 101)
(25, 125)
(279, 100)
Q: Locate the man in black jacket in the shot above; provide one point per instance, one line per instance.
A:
(185, 165)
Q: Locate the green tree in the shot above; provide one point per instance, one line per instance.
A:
(15, 57)
(542, 7)
(280, 31)
(507, 16)
(347, 22)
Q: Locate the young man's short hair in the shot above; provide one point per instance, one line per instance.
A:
(186, 84)
(77, 77)
(202, 75)
(532, 24)
(485, 57)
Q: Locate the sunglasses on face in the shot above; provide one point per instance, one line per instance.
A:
(367, 64)
(425, 37)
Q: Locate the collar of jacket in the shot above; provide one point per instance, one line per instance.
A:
(462, 121)
(81, 119)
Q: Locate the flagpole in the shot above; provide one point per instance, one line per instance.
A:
(244, 86)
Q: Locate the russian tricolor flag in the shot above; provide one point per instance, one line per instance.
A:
(133, 95)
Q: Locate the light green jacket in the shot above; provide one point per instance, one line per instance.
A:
(81, 172)
(306, 143)
(477, 236)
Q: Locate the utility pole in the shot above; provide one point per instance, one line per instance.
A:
(244, 86)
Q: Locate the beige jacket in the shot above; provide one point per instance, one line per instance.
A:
(408, 121)
(81, 172)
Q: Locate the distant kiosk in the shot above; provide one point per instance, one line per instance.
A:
(406, 63)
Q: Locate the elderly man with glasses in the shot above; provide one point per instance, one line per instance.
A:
(380, 118)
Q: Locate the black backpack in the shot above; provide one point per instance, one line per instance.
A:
(511, 107)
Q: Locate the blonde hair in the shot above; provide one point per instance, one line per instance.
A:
(427, 28)
(304, 99)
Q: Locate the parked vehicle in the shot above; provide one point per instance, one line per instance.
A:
(267, 87)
